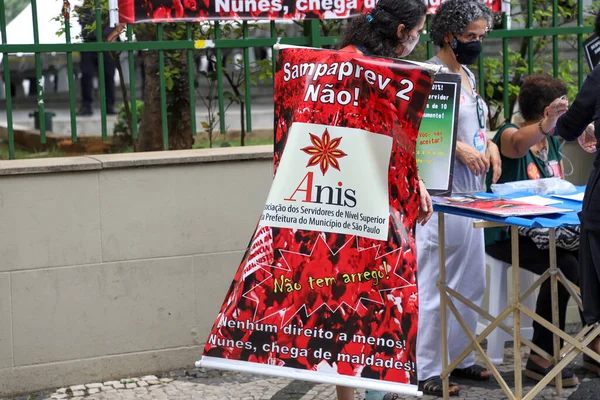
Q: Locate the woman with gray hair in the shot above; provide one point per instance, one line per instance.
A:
(458, 28)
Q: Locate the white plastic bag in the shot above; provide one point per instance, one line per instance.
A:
(545, 186)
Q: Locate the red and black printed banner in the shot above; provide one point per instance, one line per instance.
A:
(326, 291)
(134, 11)
(494, 5)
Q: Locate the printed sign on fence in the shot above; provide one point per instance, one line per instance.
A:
(132, 11)
(327, 289)
(591, 47)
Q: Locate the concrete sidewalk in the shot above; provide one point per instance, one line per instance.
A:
(222, 385)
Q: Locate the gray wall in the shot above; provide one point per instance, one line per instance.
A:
(117, 265)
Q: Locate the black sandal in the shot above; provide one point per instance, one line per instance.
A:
(537, 373)
(590, 364)
(434, 386)
(474, 373)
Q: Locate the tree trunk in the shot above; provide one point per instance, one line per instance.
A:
(179, 119)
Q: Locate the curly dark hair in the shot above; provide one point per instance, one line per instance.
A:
(537, 92)
(454, 16)
(380, 35)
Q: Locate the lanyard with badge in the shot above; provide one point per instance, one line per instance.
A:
(479, 101)
(479, 138)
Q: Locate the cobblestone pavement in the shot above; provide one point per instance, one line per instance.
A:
(223, 385)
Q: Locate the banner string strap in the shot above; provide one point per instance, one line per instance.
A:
(564, 157)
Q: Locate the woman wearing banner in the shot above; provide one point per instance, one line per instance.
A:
(571, 125)
(522, 159)
(392, 30)
(458, 29)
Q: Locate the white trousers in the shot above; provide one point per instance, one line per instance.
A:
(465, 273)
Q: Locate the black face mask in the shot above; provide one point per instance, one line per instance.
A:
(466, 52)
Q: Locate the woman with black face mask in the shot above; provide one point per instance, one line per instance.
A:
(458, 29)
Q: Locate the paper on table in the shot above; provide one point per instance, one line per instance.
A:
(575, 197)
(505, 207)
(538, 200)
(458, 199)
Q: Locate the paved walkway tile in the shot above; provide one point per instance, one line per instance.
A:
(200, 384)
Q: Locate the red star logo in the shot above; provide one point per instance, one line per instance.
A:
(324, 152)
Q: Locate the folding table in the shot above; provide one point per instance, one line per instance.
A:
(561, 357)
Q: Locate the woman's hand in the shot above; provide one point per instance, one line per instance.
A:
(551, 113)
(587, 140)
(425, 208)
(493, 155)
(114, 33)
(477, 163)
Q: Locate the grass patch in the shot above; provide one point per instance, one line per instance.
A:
(28, 154)
(250, 141)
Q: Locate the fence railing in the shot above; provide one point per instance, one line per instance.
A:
(311, 36)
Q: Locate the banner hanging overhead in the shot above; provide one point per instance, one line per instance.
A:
(326, 291)
(494, 5)
(134, 11)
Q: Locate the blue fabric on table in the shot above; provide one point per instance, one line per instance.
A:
(538, 221)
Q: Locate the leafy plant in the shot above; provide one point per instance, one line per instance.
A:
(121, 127)
(234, 72)
(210, 100)
(518, 64)
(88, 6)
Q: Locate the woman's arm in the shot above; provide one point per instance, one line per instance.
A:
(495, 160)
(572, 123)
(425, 205)
(516, 142)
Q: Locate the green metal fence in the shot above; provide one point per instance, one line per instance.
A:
(312, 36)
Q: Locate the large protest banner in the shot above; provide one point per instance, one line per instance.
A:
(326, 291)
(132, 11)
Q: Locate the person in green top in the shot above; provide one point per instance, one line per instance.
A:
(528, 152)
